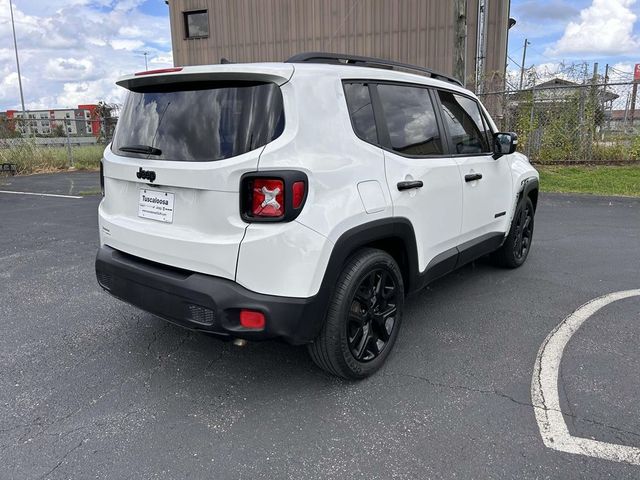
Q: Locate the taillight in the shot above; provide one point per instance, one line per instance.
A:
(274, 196)
(268, 198)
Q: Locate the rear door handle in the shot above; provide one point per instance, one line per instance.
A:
(410, 184)
(471, 177)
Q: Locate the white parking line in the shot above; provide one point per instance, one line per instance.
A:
(40, 194)
(544, 389)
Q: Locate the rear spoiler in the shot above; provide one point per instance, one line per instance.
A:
(278, 73)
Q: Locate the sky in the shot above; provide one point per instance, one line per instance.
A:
(72, 51)
(576, 31)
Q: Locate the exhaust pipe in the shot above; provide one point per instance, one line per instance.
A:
(240, 342)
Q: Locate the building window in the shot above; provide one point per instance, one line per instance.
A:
(196, 24)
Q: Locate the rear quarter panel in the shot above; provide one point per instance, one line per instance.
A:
(318, 140)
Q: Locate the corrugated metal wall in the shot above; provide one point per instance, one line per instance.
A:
(420, 32)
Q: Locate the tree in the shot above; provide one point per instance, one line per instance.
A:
(8, 128)
(58, 130)
(105, 113)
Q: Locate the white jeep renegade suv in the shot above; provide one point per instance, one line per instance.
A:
(304, 200)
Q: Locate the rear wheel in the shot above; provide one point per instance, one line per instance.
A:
(515, 249)
(363, 318)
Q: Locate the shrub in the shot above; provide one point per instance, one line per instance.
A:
(31, 158)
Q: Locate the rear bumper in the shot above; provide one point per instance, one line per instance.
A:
(204, 302)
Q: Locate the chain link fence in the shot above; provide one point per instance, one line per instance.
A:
(41, 144)
(47, 130)
(562, 121)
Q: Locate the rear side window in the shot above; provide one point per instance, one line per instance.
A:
(467, 127)
(361, 111)
(411, 120)
(199, 122)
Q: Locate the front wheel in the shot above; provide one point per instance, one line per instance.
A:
(516, 247)
(363, 318)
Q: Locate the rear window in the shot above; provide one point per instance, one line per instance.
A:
(361, 111)
(411, 120)
(199, 122)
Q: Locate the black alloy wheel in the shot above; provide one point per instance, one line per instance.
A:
(524, 231)
(372, 315)
(517, 246)
(363, 316)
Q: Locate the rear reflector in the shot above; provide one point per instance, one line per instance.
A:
(162, 70)
(252, 319)
(268, 198)
(298, 194)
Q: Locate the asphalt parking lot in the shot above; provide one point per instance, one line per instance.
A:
(93, 388)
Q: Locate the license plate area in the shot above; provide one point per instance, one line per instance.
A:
(156, 205)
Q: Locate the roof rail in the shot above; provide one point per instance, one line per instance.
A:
(359, 61)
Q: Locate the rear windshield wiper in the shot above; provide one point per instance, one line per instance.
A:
(146, 149)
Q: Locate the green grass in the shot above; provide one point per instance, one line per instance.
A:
(31, 158)
(601, 180)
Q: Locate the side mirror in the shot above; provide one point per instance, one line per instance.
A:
(504, 144)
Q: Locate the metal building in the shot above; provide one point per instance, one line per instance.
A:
(421, 32)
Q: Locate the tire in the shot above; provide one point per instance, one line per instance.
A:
(516, 247)
(363, 318)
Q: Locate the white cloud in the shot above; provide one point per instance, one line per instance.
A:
(73, 51)
(68, 69)
(9, 81)
(124, 44)
(161, 60)
(604, 28)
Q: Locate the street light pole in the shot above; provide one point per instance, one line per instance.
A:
(15, 46)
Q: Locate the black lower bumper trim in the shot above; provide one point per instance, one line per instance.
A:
(204, 302)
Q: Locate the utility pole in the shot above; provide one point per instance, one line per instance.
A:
(460, 42)
(524, 59)
(605, 118)
(15, 46)
(481, 47)
(634, 93)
